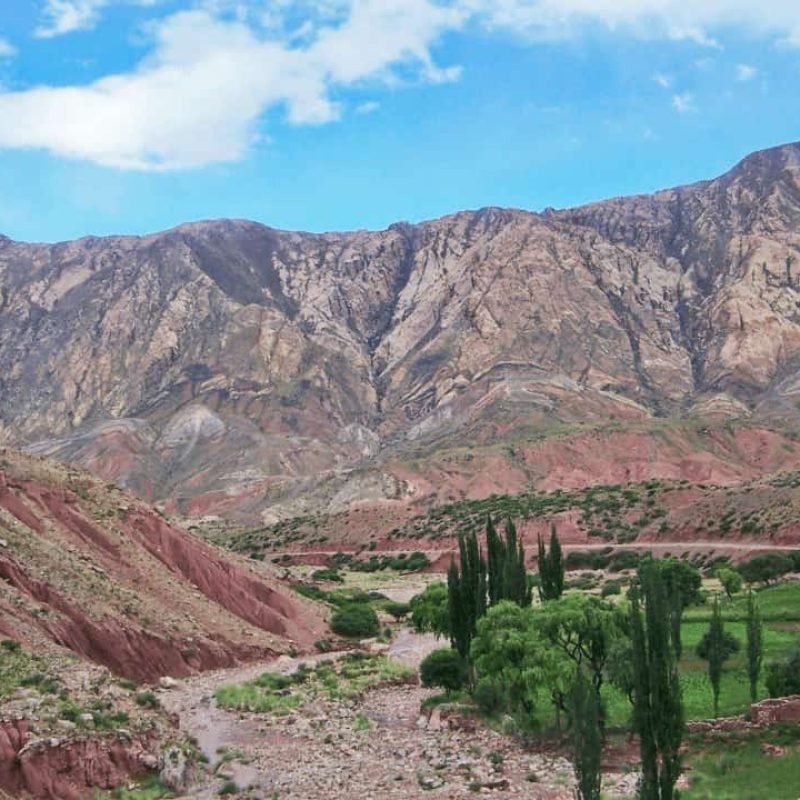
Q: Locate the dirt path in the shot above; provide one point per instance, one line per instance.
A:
(376, 748)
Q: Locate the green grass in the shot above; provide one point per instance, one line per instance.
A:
(345, 679)
(736, 769)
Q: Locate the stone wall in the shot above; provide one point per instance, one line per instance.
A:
(776, 710)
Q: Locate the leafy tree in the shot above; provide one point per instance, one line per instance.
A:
(585, 629)
(512, 659)
(444, 668)
(682, 582)
(765, 568)
(731, 581)
(551, 568)
(587, 737)
(783, 677)
(716, 647)
(355, 620)
(755, 645)
(657, 710)
(429, 610)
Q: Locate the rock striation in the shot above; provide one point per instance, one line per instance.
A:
(225, 366)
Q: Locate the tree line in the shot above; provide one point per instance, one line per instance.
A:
(510, 653)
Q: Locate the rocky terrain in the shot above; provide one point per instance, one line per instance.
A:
(91, 569)
(226, 368)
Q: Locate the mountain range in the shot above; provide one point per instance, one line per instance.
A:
(227, 369)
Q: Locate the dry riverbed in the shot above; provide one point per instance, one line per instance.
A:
(375, 747)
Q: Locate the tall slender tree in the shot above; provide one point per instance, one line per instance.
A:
(466, 591)
(495, 557)
(716, 652)
(755, 645)
(657, 710)
(551, 568)
(587, 737)
(515, 576)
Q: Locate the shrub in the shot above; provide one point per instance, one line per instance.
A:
(765, 568)
(611, 587)
(783, 677)
(398, 610)
(324, 645)
(444, 668)
(147, 700)
(10, 646)
(330, 575)
(357, 620)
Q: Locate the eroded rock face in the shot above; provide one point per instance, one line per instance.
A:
(96, 571)
(225, 364)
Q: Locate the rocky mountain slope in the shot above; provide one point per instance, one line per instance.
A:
(229, 368)
(88, 569)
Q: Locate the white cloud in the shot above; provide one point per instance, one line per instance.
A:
(370, 107)
(7, 50)
(745, 72)
(67, 16)
(664, 81)
(696, 21)
(199, 95)
(684, 103)
(212, 73)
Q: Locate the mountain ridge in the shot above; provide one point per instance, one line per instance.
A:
(236, 363)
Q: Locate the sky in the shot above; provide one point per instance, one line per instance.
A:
(132, 116)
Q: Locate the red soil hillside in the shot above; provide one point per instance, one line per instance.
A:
(87, 567)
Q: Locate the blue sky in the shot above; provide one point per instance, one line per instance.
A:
(130, 116)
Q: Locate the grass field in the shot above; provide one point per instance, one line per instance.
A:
(736, 768)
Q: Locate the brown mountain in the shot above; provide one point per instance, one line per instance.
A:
(229, 368)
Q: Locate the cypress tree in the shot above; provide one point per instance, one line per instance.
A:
(544, 574)
(755, 647)
(716, 652)
(556, 568)
(587, 737)
(466, 593)
(658, 710)
(551, 568)
(495, 559)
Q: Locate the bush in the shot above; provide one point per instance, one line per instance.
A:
(444, 668)
(783, 677)
(356, 621)
(147, 700)
(611, 587)
(330, 575)
(398, 610)
(489, 696)
(765, 568)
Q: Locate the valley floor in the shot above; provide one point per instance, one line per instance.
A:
(373, 748)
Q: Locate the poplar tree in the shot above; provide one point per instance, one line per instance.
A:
(716, 652)
(657, 709)
(466, 593)
(587, 737)
(755, 646)
(551, 568)
(495, 554)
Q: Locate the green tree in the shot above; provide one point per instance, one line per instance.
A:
(512, 659)
(682, 582)
(731, 581)
(716, 647)
(585, 629)
(355, 620)
(755, 645)
(430, 612)
(551, 568)
(466, 588)
(765, 568)
(495, 558)
(587, 737)
(783, 677)
(444, 668)
(515, 576)
(657, 709)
